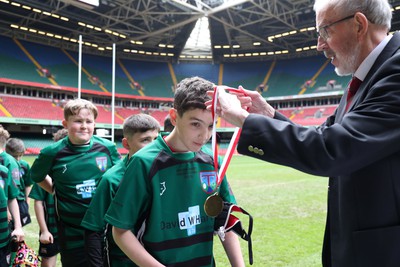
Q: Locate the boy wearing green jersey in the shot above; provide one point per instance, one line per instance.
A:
(139, 130)
(157, 213)
(46, 218)
(8, 203)
(75, 165)
(16, 148)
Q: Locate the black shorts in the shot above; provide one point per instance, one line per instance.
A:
(24, 212)
(5, 256)
(49, 250)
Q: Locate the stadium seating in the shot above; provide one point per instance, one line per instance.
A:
(25, 61)
(309, 116)
(20, 61)
(126, 112)
(33, 108)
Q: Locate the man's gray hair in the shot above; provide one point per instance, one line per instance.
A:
(378, 12)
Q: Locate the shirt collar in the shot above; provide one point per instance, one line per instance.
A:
(366, 65)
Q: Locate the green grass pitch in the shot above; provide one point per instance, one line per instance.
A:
(288, 208)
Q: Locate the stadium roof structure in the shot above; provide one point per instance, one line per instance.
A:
(159, 30)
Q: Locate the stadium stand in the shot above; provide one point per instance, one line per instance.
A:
(309, 116)
(156, 79)
(126, 112)
(207, 71)
(139, 81)
(34, 108)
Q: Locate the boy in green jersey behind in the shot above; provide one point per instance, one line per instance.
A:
(157, 213)
(75, 165)
(8, 203)
(16, 148)
(46, 218)
(139, 130)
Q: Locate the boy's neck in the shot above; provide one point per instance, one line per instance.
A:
(171, 142)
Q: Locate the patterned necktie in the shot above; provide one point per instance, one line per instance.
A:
(352, 89)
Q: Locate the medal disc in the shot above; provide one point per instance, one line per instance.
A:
(213, 205)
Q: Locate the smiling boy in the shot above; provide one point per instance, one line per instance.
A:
(75, 165)
(157, 214)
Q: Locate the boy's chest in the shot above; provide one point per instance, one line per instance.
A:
(80, 166)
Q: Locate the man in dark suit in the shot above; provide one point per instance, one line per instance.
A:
(358, 148)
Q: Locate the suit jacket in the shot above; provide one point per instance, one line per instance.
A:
(360, 152)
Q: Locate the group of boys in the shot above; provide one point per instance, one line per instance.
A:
(144, 210)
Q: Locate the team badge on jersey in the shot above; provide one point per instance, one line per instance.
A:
(101, 163)
(208, 181)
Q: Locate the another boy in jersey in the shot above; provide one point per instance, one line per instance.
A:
(8, 203)
(75, 165)
(157, 213)
(46, 217)
(9, 162)
(139, 130)
(16, 148)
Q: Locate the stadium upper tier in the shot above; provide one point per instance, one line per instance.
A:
(27, 108)
(47, 65)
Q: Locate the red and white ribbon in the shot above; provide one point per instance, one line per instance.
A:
(232, 143)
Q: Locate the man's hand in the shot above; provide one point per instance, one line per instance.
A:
(228, 107)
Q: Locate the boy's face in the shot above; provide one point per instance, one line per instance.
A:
(17, 156)
(80, 127)
(192, 130)
(139, 140)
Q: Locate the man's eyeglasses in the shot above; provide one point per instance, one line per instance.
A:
(323, 33)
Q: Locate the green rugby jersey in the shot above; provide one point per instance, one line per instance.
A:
(76, 172)
(105, 192)
(25, 180)
(38, 193)
(167, 191)
(8, 191)
(12, 165)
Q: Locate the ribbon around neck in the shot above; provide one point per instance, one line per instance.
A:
(234, 139)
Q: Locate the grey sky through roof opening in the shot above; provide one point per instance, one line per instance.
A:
(199, 43)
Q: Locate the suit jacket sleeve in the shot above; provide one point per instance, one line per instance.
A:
(368, 133)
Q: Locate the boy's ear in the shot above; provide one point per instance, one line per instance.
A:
(173, 113)
(64, 123)
(125, 143)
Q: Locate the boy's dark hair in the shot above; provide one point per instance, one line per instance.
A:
(139, 123)
(15, 147)
(168, 127)
(191, 93)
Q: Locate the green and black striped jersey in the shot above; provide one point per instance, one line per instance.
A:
(163, 193)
